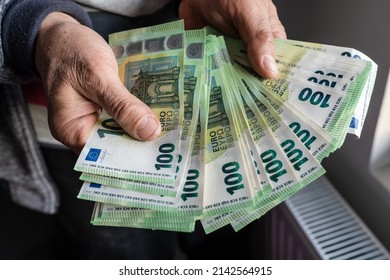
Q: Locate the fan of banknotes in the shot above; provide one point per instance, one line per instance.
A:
(233, 145)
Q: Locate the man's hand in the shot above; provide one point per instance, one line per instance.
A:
(80, 75)
(255, 21)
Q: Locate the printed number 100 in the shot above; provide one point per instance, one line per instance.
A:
(165, 159)
(315, 98)
(233, 178)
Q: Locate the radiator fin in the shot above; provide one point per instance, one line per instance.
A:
(331, 226)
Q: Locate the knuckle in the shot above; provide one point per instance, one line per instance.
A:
(264, 34)
(128, 113)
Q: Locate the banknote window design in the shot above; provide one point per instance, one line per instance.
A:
(217, 113)
(158, 88)
(134, 48)
(189, 91)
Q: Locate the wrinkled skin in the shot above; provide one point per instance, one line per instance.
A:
(80, 73)
(255, 21)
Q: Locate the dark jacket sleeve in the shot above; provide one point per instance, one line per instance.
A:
(20, 23)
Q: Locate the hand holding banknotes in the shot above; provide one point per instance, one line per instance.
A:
(80, 76)
(245, 144)
(256, 22)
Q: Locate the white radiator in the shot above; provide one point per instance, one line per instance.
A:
(316, 223)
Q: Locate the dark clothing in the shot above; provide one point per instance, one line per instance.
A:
(22, 170)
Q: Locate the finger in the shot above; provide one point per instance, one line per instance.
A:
(254, 26)
(277, 27)
(134, 116)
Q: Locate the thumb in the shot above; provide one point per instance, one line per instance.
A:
(134, 116)
(258, 25)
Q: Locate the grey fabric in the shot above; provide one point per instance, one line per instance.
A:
(130, 8)
(20, 27)
(7, 75)
(21, 163)
(22, 169)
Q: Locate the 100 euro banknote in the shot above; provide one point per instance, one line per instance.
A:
(151, 67)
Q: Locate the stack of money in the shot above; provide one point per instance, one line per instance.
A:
(233, 145)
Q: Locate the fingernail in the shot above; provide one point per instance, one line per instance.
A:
(147, 128)
(270, 64)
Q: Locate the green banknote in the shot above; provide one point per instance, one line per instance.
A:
(357, 122)
(186, 225)
(316, 140)
(151, 66)
(312, 62)
(227, 184)
(233, 145)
